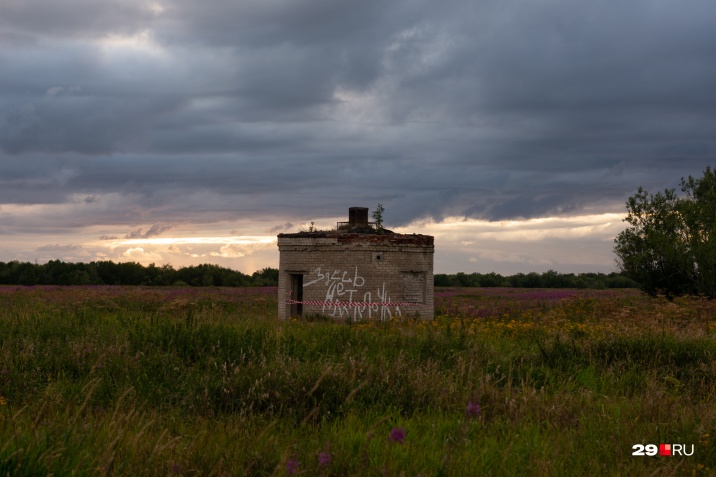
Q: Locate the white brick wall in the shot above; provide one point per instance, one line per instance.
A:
(359, 268)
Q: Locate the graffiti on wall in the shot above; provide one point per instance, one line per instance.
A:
(347, 295)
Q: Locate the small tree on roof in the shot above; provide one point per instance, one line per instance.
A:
(378, 217)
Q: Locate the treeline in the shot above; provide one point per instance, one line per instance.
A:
(549, 279)
(56, 272)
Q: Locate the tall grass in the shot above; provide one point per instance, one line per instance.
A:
(130, 381)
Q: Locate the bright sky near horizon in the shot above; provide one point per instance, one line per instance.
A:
(186, 132)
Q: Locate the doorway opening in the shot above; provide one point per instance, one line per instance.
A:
(296, 294)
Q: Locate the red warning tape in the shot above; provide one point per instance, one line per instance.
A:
(352, 303)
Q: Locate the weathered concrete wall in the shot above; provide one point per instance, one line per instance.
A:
(387, 274)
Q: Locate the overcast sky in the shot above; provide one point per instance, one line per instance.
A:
(186, 131)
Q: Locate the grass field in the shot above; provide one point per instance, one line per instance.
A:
(180, 381)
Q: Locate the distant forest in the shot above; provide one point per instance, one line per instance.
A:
(56, 272)
(548, 279)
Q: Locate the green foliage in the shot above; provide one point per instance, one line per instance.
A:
(156, 382)
(548, 279)
(378, 217)
(266, 277)
(56, 272)
(670, 244)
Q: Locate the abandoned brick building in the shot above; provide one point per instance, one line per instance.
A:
(357, 272)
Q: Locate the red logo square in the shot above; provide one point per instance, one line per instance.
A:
(664, 449)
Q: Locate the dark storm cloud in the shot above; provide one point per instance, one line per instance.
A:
(84, 125)
(185, 111)
(154, 230)
(278, 228)
(75, 18)
(309, 22)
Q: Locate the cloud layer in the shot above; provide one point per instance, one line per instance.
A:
(123, 116)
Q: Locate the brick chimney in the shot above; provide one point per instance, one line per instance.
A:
(358, 217)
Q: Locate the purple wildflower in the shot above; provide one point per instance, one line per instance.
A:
(324, 458)
(397, 435)
(175, 469)
(473, 409)
(292, 466)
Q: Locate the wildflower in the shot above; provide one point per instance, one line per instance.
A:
(292, 466)
(324, 458)
(3, 401)
(397, 435)
(175, 468)
(472, 409)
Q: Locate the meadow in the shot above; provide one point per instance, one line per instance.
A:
(100, 380)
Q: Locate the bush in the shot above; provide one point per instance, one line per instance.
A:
(670, 244)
